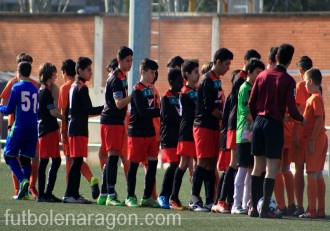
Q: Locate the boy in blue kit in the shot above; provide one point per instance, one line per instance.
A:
(22, 139)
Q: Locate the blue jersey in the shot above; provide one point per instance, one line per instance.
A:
(23, 102)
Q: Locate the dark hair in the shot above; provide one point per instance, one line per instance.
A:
(305, 63)
(24, 68)
(83, 63)
(148, 64)
(285, 54)
(251, 54)
(206, 68)
(316, 76)
(173, 75)
(23, 57)
(69, 66)
(113, 65)
(188, 66)
(233, 75)
(253, 64)
(175, 61)
(222, 54)
(46, 71)
(123, 52)
(272, 53)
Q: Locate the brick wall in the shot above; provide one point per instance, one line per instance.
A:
(54, 38)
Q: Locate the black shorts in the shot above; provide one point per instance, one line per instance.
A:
(267, 138)
(244, 156)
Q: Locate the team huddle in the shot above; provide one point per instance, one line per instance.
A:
(251, 136)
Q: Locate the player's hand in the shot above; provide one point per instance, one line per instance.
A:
(311, 147)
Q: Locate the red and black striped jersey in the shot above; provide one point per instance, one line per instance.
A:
(210, 96)
(188, 98)
(170, 117)
(115, 87)
(80, 107)
(143, 109)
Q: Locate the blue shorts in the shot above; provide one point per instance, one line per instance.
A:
(21, 143)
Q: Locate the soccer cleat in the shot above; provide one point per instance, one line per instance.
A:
(163, 202)
(101, 200)
(238, 210)
(53, 198)
(113, 201)
(291, 209)
(196, 204)
(223, 207)
(284, 211)
(176, 204)
(149, 202)
(253, 212)
(131, 202)
(209, 206)
(23, 187)
(95, 187)
(271, 213)
(78, 200)
(320, 213)
(309, 214)
(299, 211)
(33, 191)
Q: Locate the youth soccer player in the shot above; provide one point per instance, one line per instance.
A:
(80, 108)
(186, 145)
(316, 145)
(297, 149)
(4, 101)
(206, 129)
(69, 72)
(48, 131)
(271, 94)
(22, 139)
(113, 122)
(170, 116)
(142, 143)
(242, 183)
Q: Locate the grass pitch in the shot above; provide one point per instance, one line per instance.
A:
(30, 215)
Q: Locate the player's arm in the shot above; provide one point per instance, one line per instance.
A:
(122, 102)
(253, 100)
(87, 103)
(243, 100)
(12, 103)
(118, 96)
(316, 131)
(208, 92)
(291, 104)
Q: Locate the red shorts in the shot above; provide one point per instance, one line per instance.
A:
(224, 160)
(207, 142)
(169, 155)
(113, 137)
(140, 148)
(315, 161)
(49, 146)
(231, 139)
(186, 148)
(78, 146)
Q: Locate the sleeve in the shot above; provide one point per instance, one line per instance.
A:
(143, 111)
(184, 99)
(291, 102)
(87, 103)
(243, 100)
(49, 100)
(117, 89)
(253, 99)
(317, 105)
(208, 93)
(12, 103)
(6, 91)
